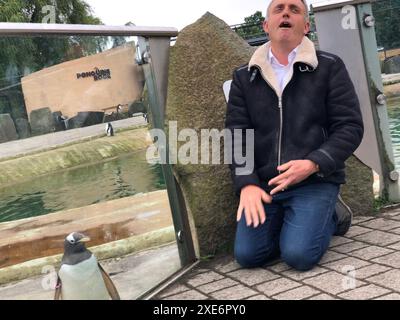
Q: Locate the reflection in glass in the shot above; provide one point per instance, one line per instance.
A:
(60, 172)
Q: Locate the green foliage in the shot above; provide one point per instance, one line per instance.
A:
(67, 11)
(381, 202)
(387, 23)
(22, 55)
(252, 26)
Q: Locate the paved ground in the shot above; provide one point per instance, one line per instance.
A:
(365, 264)
(133, 275)
(362, 265)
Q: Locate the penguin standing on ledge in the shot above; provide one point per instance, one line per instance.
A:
(109, 129)
(80, 276)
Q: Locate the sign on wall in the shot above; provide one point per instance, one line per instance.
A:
(97, 74)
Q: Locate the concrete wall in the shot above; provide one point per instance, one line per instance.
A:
(59, 88)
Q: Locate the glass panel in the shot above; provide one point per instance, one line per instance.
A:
(74, 134)
(393, 107)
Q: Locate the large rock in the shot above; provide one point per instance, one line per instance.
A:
(203, 58)
(7, 128)
(392, 65)
(42, 121)
(86, 119)
(358, 191)
(23, 128)
(136, 107)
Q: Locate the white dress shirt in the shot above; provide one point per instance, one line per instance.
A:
(282, 71)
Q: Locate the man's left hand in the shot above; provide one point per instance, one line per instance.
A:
(294, 172)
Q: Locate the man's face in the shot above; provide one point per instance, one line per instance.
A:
(286, 23)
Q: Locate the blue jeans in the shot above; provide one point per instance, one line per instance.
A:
(299, 225)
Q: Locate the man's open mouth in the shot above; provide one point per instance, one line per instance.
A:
(285, 25)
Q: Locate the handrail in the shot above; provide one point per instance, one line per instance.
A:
(10, 28)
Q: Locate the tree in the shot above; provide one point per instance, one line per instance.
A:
(48, 50)
(20, 56)
(387, 23)
(67, 11)
(252, 26)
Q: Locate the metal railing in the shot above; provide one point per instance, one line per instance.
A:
(7, 28)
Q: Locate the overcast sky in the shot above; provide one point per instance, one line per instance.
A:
(174, 13)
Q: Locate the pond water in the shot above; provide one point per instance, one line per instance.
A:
(114, 179)
(393, 106)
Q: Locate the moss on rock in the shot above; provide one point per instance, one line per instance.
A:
(203, 58)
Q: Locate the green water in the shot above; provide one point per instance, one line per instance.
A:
(118, 178)
(393, 107)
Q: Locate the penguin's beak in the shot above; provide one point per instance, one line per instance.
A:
(84, 239)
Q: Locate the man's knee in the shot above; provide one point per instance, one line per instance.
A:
(300, 258)
(247, 258)
(253, 258)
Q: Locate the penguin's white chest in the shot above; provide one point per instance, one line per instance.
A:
(83, 281)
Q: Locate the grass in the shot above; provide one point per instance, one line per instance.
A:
(381, 202)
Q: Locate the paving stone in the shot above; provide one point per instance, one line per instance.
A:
(364, 293)
(336, 241)
(187, 295)
(274, 287)
(259, 297)
(197, 271)
(279, 267)
(300, 275)
(234, 293)
(392, 260)
(331, 256)
(395, 217)
(251, 277)
(360, 219)
(392, 296)
(395, 246)
(227, 267)
(217, 285)
(300, 293)
(390, 279)
(332, 282)
(396, 231)
(344, 265)
(349, 247)
(204, 278)
(174, 289)
(378, 238)
(322, 296)
(371, 252)
(391, 213)
(370, 270)
(381, 224)
(356, 230)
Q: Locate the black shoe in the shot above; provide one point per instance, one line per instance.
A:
(344, 216)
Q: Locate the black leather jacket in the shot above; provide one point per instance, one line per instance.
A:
(317, 117)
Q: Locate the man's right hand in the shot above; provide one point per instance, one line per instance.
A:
(251, 200)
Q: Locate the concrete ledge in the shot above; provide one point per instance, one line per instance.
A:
(83, 153)
(37, 237)
(105, 251)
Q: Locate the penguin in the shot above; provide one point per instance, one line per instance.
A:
(109, 129)
(145, 117)
(64, 121)
(119, 108)
(80, 276)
